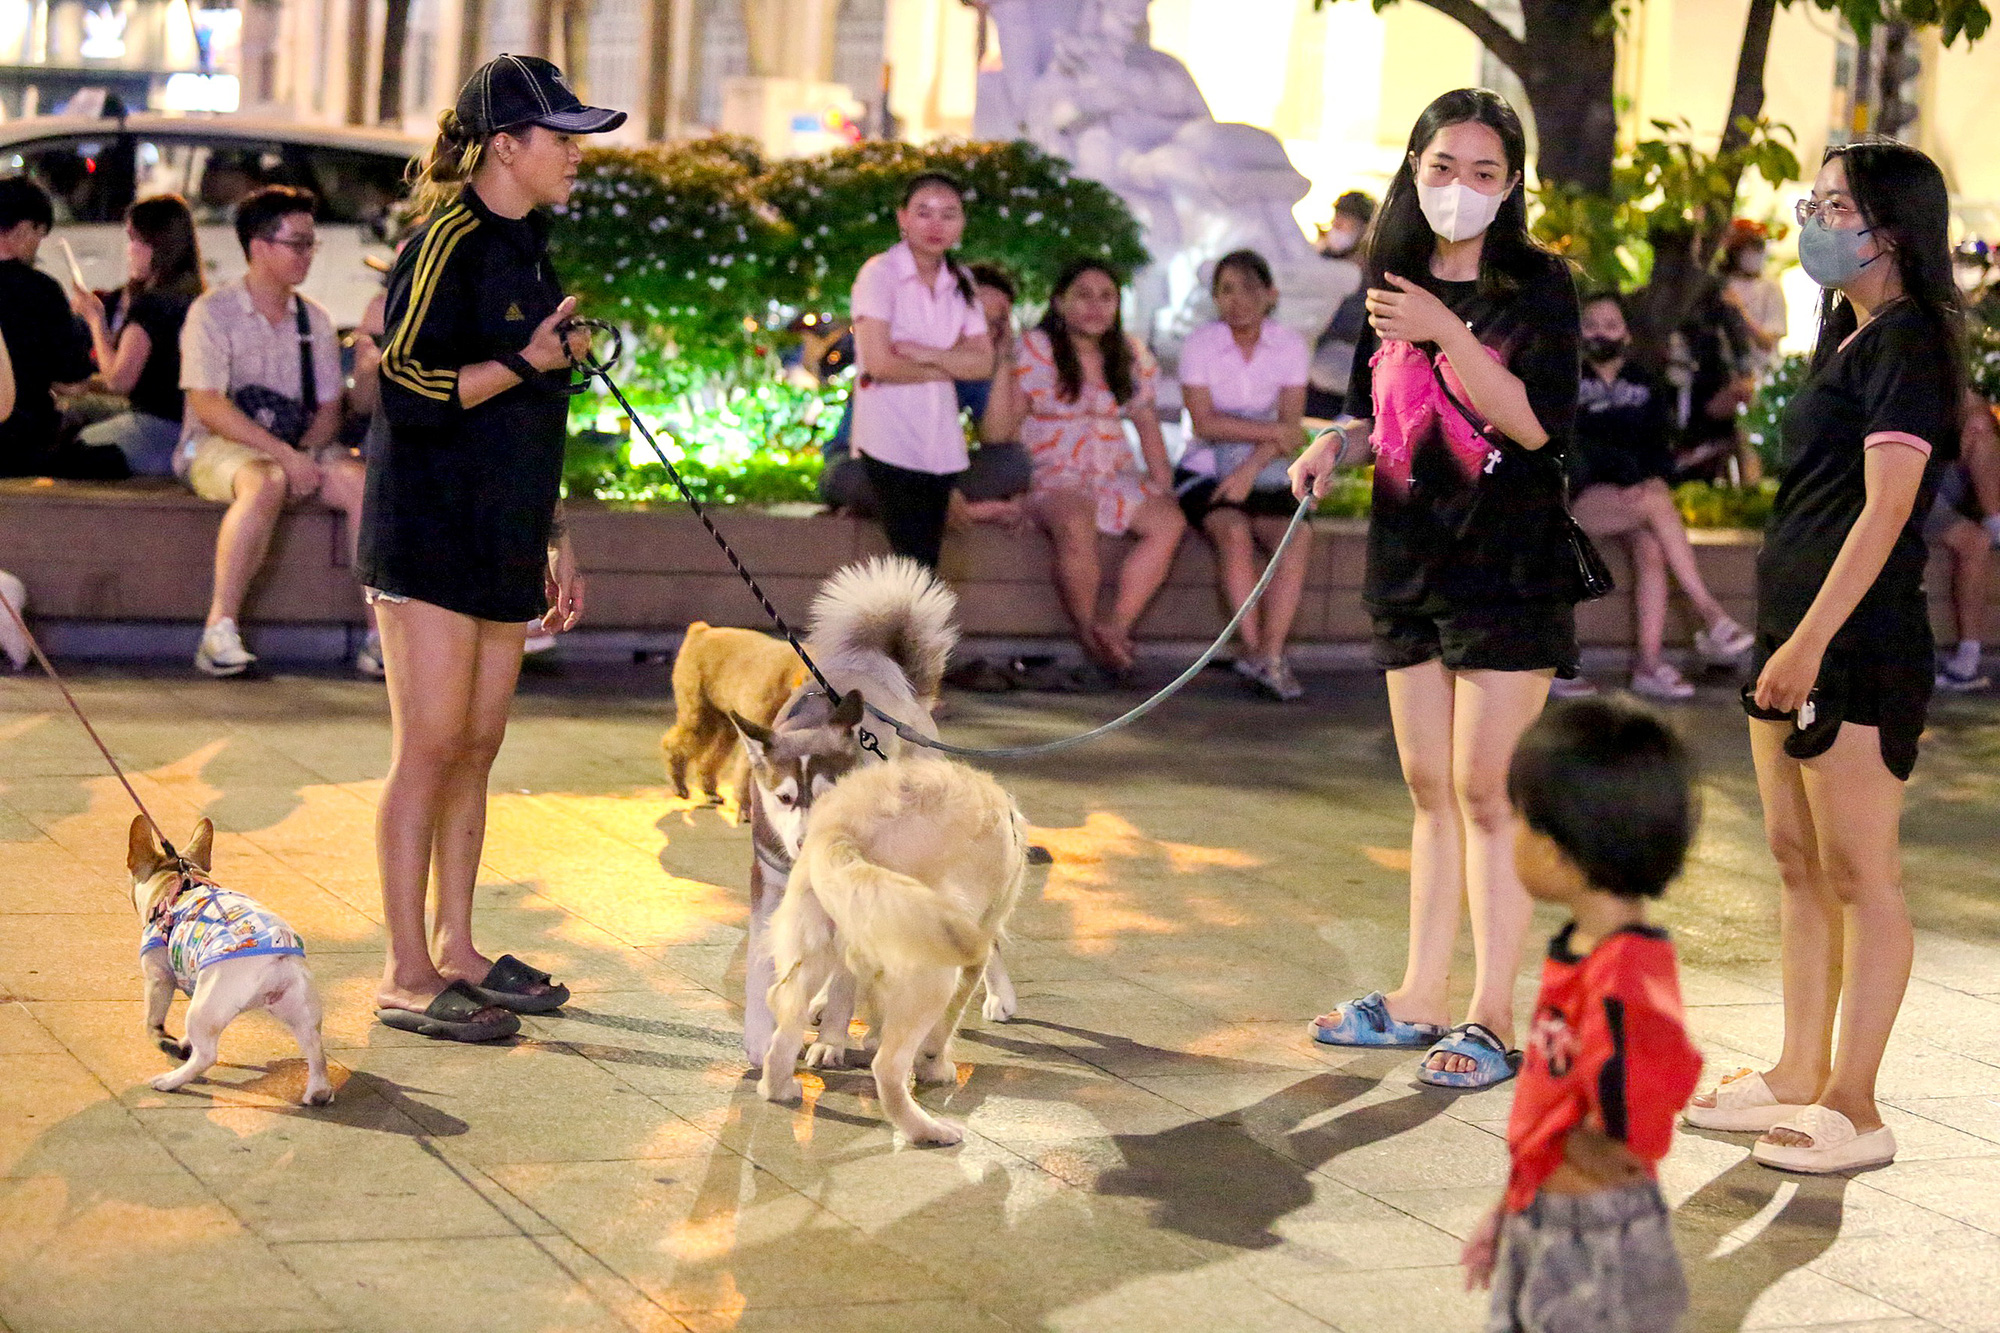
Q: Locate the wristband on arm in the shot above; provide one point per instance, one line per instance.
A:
(520, 365)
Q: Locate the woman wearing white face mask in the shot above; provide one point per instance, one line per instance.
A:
(1468, 373)
(1844, 654)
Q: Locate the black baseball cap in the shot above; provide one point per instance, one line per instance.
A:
(526, 90)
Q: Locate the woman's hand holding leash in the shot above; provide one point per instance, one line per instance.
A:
(550, 349)
(1312, 471)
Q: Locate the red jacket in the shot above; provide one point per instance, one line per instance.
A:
(1607, 1039)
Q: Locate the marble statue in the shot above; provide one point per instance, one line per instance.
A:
(1080, 79)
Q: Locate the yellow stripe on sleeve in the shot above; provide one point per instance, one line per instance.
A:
(398, 366)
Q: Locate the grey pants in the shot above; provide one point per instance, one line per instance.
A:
(1589, 1263)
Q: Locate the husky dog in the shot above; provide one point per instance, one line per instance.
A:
(907, 876)
(225, 950)
(880, 629)
(718, 672)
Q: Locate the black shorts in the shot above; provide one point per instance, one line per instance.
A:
(1510, 636)
(1890, 694)
(1197, 496)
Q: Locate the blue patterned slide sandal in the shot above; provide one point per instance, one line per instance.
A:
(1367, 1022)
(1493, 1063)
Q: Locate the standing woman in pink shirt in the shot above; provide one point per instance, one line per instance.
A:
(917, 328)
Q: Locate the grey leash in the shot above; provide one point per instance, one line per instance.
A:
(601, 368)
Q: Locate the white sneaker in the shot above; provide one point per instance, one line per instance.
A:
(222, 652)
(1250, 668)
(1723, 643)
(537, 642)
(369, 660)
(1662, 682)
(1576, 687)
(1280, 681)
(1951, 681)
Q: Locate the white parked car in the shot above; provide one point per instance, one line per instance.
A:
(93, 168)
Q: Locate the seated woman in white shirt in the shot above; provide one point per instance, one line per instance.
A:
(1243, 381)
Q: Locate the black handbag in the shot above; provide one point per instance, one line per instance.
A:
(285, 417)
(1593, 576)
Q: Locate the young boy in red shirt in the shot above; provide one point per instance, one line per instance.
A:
(1581, 1241)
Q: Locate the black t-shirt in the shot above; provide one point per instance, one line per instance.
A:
(1456, 536)
(460, 499)
(158, 391)
(1623, 429)
(1892, 376)
(48, 346)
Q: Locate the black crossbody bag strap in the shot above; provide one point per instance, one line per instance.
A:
(1593, 576)
(308, 381)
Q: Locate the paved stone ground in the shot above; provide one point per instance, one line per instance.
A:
(1153, 1144)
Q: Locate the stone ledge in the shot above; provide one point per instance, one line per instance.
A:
(142, 552)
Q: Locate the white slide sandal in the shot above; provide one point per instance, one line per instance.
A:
(1835, 1145)
(1743, 1104)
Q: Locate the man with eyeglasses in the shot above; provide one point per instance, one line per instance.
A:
(261, 368)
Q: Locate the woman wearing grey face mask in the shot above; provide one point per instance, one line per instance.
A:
(1464, 385)
(1844, 654)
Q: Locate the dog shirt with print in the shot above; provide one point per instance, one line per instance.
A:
(206, 924)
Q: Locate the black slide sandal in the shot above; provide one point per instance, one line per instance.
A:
(448, 1017)
(506, 985)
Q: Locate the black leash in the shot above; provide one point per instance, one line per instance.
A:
(600, 367)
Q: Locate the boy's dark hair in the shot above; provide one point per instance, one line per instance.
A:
(23, 200)
(999, 279)
(258, 216)
(1614, 788)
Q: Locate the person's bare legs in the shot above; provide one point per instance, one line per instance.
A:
(1288, 585)
(1665, 523)
(1649, 598)
(461, 827)
(1069, 517)
(1228, 530)
(1490, 710)
(430, 655)
(245, 538)
(1811, 924)
(1158, 527)
(1857, 808)
(1971, 557)
(342, 482)
(1421, 702)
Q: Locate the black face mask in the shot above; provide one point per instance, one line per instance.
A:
(1599, 350)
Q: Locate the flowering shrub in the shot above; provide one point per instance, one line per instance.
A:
(749, 444)
(1024, 211)
(672, 243)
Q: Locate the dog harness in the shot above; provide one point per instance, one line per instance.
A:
(206, 923)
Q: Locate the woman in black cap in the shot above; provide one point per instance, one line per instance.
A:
(460, 544)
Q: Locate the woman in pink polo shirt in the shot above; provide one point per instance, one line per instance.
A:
(917, 328)
(1243, 379)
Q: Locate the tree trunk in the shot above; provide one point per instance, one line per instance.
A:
(1571, 57)
(1747, 101)
(395, 43)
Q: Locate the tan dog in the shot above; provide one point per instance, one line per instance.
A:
(906, 879)
(718, 672)
(225, 950)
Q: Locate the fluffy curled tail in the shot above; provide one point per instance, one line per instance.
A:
(891, 605)
(902, 920)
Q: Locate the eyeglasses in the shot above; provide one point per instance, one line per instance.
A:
(1830, 211)
(304, 247)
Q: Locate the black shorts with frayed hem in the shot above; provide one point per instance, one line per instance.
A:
(1891, 694)
(1196, 494)
(1511, 636)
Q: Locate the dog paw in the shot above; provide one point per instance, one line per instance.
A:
(167, 1083)
(318, 1096)
(936, 1069)
(998, 1008)
(820, 1055)
(180, 1050)
(929, 1132)
(779, 1090)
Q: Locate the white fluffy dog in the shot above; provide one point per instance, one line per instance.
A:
(225, 950)
(907, 876)
(15, 594)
